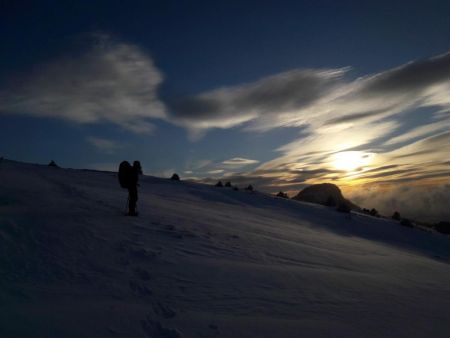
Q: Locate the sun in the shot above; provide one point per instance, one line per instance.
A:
(351, 160)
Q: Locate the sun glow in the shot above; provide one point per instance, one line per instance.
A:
(351, 160)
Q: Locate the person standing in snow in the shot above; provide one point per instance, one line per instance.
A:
(135, 171)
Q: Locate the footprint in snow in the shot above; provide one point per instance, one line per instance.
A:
(163, 310)
(140, 290)
(170, 227)
(143, 254)
(155, 329)
(142, 274)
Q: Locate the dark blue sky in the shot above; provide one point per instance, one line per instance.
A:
(198, 47)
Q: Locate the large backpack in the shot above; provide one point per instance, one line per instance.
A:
(125, 173)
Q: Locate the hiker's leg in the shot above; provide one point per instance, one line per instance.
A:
(133, 199)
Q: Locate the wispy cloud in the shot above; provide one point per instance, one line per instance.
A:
(375, 117)
(239, 162)
(215, 172)
(319, 97)
(202, 168)
(278, 94)
(105, 145)
(109, 82)
(418, 132)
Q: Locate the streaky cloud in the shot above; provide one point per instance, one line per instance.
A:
(232, 106)
(110, 82)
(104, 145)
(411, 77)
(239, 161)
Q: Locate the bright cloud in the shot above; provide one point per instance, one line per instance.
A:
(365, 131)
(110, 82)
(318, 98)
(232, 106)
(367, 115)
(239, 162)
(215, 172)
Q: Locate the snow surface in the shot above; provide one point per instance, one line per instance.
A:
(202, 261)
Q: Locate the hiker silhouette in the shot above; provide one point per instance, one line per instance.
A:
(128, 179)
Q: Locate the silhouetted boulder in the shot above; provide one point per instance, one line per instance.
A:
(228, 184)
(53, 164)
(249, 188)
(325, 194)
(219, 184)
(406, 223)
(282, 195)
(175, 177)
(396, 216)
(443, 227)
(374, 212)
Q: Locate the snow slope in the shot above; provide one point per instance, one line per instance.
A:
(202, 261)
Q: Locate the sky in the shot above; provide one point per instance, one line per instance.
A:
(276, 94)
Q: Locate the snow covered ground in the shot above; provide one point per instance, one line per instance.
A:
(202, 261)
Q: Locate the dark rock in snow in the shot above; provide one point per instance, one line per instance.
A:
(374, 212)
(53, 164)
(249, 188)
(443, 227)
(396, 216)
(282, 195)
(406, 223)
(325, 194)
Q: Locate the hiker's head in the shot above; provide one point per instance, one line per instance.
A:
(137, 166)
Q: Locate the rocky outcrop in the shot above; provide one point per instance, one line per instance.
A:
(326, 194)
